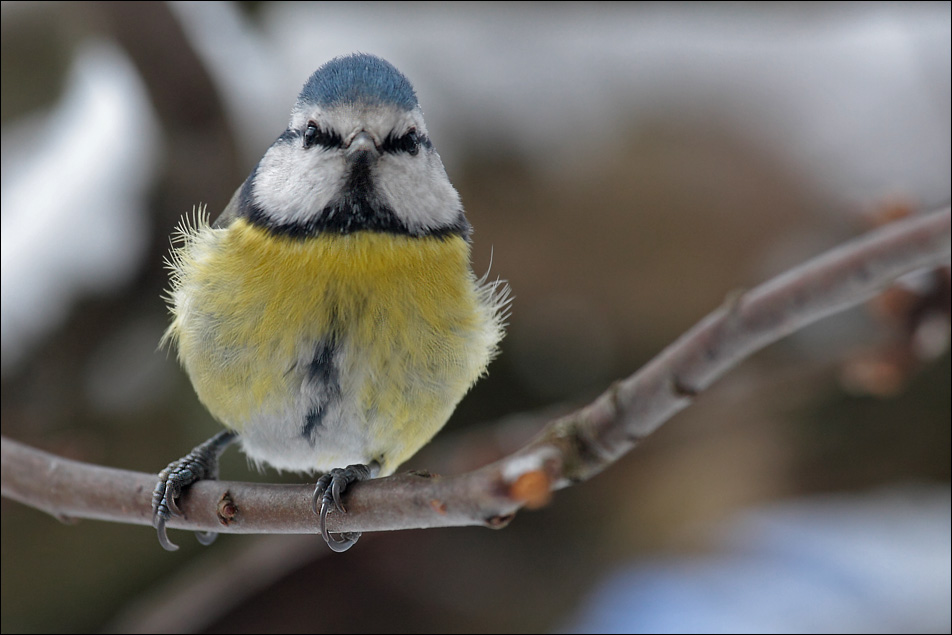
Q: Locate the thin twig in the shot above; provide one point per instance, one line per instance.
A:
(569, 450)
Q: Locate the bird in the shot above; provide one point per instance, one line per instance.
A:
(330, 318)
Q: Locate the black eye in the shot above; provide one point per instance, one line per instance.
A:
(409, 143)
(313, 135)
(310, 135)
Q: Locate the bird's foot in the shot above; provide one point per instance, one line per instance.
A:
(199, 464)
(327, 495)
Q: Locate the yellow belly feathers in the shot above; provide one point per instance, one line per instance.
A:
(413, 330)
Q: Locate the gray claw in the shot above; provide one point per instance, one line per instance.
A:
(336, 485)
(328, 491)
(167, 544)
(200, 463)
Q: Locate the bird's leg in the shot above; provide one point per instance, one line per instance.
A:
(199, 464)
(327, 494)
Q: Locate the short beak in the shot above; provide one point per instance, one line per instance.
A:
(362, 145)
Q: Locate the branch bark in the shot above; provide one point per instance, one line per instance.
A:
(569, 450)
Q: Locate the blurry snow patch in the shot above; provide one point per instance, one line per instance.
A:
(74, 181)
(256, 88)
(878, 563)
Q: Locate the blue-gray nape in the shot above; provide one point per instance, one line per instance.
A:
(358, 78)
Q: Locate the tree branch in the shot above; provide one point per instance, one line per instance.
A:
(569, 450)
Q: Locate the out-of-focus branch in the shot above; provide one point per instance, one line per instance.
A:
(569, 450)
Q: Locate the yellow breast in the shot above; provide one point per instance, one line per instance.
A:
(412, 330)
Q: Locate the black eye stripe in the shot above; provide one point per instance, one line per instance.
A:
(314, 135)
(409, 143)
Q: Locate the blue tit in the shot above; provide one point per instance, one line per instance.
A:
(330, 318)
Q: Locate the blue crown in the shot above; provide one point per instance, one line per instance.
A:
(358, 78)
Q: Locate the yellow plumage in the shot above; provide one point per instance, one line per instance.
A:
(413, 329)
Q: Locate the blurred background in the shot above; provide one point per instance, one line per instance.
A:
(626, 167)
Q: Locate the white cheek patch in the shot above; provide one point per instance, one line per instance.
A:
(293, 185)
(418, 191)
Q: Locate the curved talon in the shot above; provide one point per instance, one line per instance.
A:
(345, 542)
(171, 496)
(167, 544)
(338, 543)
(326, 534)
(316, 498)
(328, 491)
(178, 476)
(335, 495)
